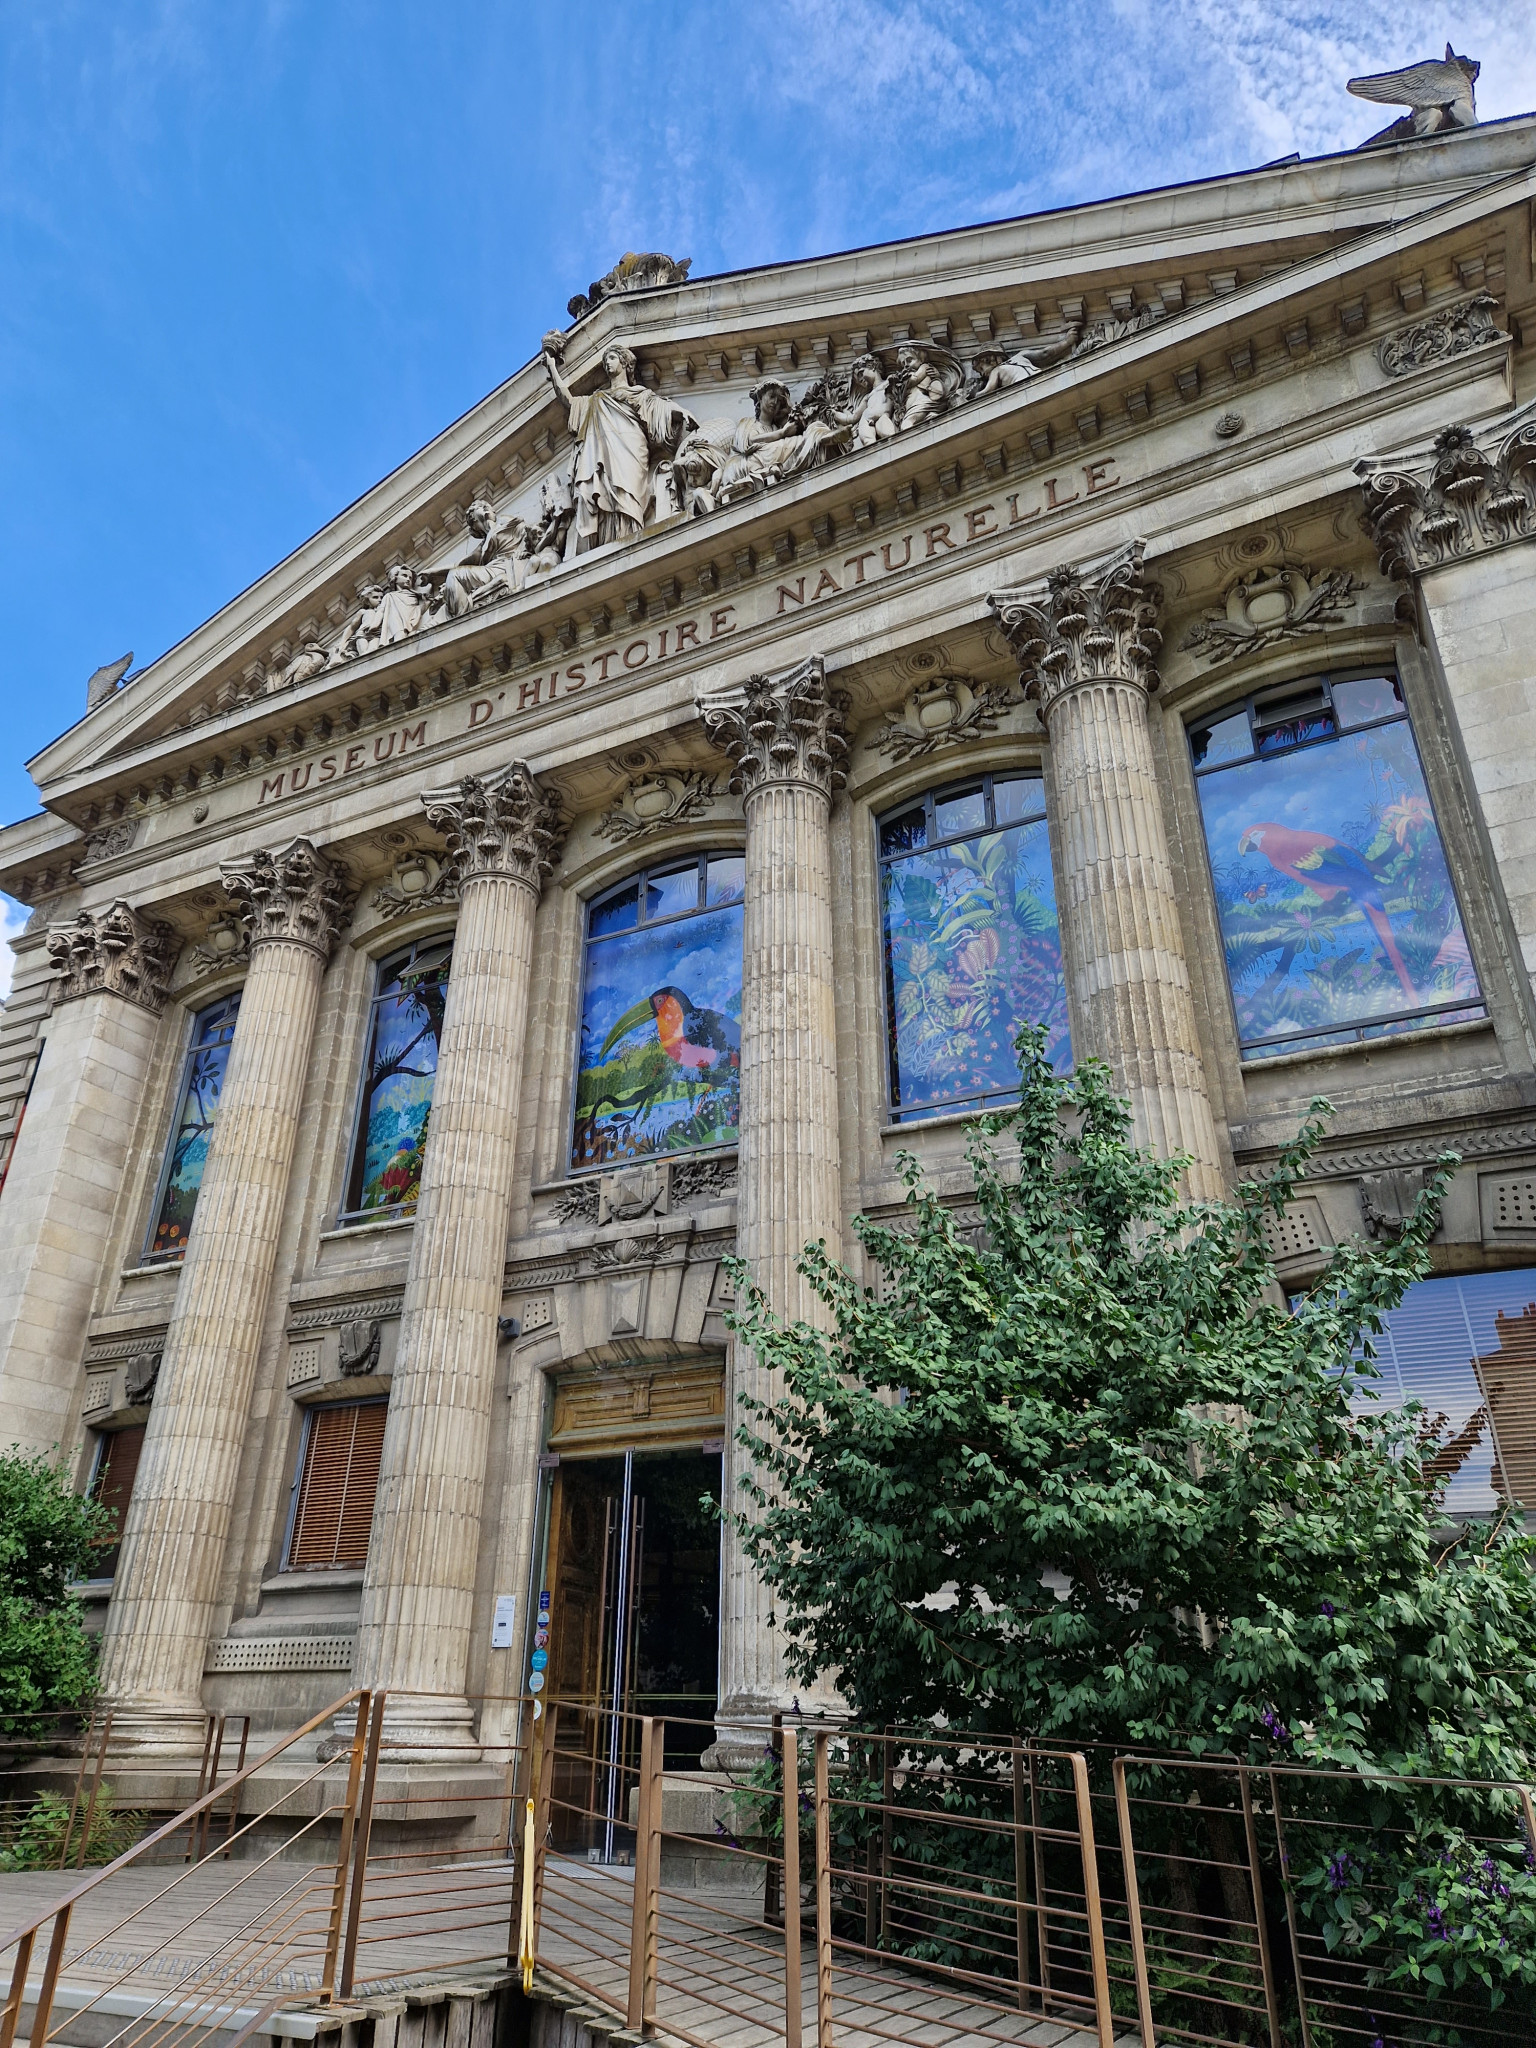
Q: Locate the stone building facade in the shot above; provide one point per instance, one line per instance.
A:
(612, 840)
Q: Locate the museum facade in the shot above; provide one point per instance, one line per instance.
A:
(611, 842)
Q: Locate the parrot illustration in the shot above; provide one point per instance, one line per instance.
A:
(1329, 868)
(695, 1039)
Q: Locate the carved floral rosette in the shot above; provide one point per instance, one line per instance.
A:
(784, 728)
(1096, 622)
(116, 951)
(295, 896)
(1471, 492)
(502, 824)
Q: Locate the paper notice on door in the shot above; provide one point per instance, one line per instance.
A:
(506, 1615)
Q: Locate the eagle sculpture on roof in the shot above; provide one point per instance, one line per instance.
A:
(1440, 94)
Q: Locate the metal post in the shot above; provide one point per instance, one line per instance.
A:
(50, 1983)
(234, 1797)
(1290, 1915)
(789, 1746)
(644, 1928)
(213, 1779)
(74, 1802)
(13, 2004)
(360, 1855)
(1271, 2001)
(543, 1793)
(1096, 1951)
(95, 1794)
(1133, 1906)
(202, 1787)
(1042, 1930)
(823, 1897)
(344, 1850)
(1020, 1878)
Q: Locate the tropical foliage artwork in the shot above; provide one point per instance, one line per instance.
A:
(1337, 910)
(402, 1065)
(207, 1057)
(972, 944)
(659, 1068)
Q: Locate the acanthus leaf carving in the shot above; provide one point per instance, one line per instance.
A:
(1450, 331)
(420, 882)
(117, 951)
(1267, 606)
(502, 824)
(784, 728)
(944, 711)
(1468, 494)
(1094, 622)
(295, 896)
(657, 801)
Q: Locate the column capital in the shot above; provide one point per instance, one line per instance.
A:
(295, 895)
(1085, 623)
(1466, 493)
(502, 824)
(116, 950)
(782, 728)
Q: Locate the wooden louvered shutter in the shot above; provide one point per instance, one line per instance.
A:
(337, 1486)
(113, 1487)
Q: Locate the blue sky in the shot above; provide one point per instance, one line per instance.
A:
(253, 253)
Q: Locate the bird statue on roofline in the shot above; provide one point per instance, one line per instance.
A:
(1440, 95)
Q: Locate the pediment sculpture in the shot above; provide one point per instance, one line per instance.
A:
(1439, 92)
(632, 273)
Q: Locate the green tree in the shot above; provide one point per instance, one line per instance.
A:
(47, 1536)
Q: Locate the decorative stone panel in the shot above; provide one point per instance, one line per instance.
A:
(1507, 1207)
(280, 1653)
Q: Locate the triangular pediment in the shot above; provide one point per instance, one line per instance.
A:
(888, 358)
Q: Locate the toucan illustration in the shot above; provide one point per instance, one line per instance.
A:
(695, 1039)
(1329, 868)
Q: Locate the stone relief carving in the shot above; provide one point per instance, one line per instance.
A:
(225, 944)
(116, 951)
(1270, 605)
(420, 881)
(626, 438)
(724, 460)
(357, 1348)
(1387, 1199)
(295, 895)
(139, 1380)
(1438, 90)
(1089, 623)
(784, 728)
(632, 273)
(505, 823)
(579, 1202)
(1470, 493)
(624, 1251)
(654, 801)
(1452, 331)
(105, 681)
(108, 841)
(943, 711)
(631, 1192)
(692, 1178)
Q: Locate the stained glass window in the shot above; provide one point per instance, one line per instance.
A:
(659, 1065)
(197, 1107)
(1338, 914)
(972, 944)
(404, 1031)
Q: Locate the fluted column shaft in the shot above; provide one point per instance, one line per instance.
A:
(414, 1633)
(785, 736)
(1086, 640)
(177, 1525)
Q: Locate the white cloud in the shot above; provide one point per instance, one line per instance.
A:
(13, 919)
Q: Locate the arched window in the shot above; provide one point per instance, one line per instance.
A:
(197, 1106)
(404, 1031)
(972, 945)
(1338, 914)
(659, 1066)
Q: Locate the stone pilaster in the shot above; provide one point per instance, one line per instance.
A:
(163, 1604)
(1087, 642)
(503, 832)
(66, 1170)
(785, 735)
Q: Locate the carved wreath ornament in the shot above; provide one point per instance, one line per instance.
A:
(1270, 605)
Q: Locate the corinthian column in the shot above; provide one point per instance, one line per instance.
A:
(503, 832)
(163, 1602)
(66, 1169)
(1086, 640)
(785, 735)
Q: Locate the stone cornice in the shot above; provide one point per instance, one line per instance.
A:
(1470, 492)
(782, 728)
(294, 896)
(505, 824)
(1094, 622)
(114, 952)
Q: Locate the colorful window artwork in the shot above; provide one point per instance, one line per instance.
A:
(1466, 1348)
(1337, 909)
(197, 1108)
(659, 1067)
(972, 944)
(404, 1033)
